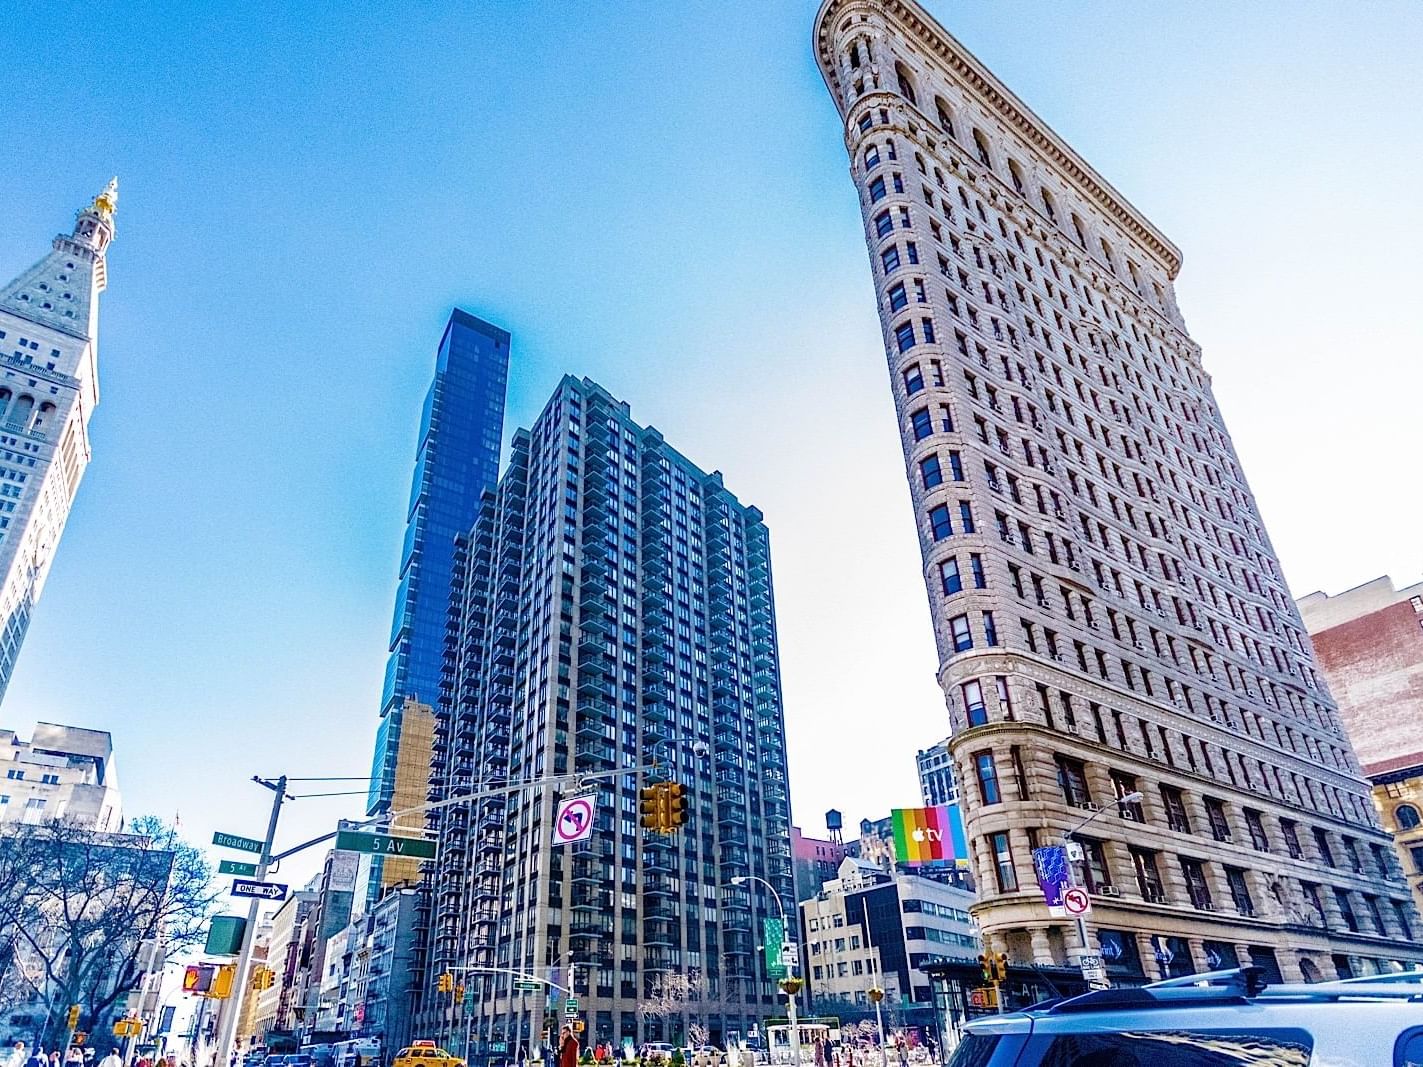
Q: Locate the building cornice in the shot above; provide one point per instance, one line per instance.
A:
(1006, 106)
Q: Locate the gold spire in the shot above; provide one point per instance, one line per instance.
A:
(107, 202)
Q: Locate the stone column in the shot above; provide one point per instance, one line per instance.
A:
(1149, 965)
(1042, 945)
(1197, 946)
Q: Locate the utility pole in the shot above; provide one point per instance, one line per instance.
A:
(228, 1027)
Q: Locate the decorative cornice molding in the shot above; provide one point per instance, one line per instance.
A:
(1007, 106)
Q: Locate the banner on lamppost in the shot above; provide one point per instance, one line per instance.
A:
(773, 937)
(1054, 875)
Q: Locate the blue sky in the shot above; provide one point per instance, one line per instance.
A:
(654, 195)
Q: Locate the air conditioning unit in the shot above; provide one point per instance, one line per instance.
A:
(1206, 906)
(1108, 891)
(1087, 805)
(1155, 896)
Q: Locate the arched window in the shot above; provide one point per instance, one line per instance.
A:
(1107, 253)
(1078, 229)
(42, 415)
(906, 83)
(1406, 816)
(1049, 206)
(855, 55)
(946, 122)
(19, 415)
(1016, 172)
(981, 143)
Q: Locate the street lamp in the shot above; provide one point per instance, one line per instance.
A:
(790, 985)
(876, 994)
(1134, 797)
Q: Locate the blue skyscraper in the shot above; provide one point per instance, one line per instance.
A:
(456, 461)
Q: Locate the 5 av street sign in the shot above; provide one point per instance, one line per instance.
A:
(385, 844)
(241, 887)
(242, 844)
(236, 867)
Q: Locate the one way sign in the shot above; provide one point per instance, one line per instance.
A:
(244, 887)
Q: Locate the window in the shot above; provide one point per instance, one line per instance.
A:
(1321, 842)
(927, 326)
(939, 521)
(1174, 1048)
(877, 190)
(1406, 816)
(946, 123)
(963, 639)
(1020, 773)
(904, 336)
(1095, 871)
(1371, 904)
(949, 575)
(1175, 806)
(956, 466)
(1196, 885)
(1416, 855)
(965, 516)
(913, 381)
(990, 630)
(1290, 832)
(1124, 785)
(975, 566)
(1400, 912)
(1239, 891)
(883, 223)
(1215, 813)
(980, 143)
(922, 424)
(1341, 897)
(987, 777)
(972, 693)
(898, 298)
(1003, 863)
(1148, 877)
(929, 471)
(1258, 838)
(889, 258)
(1072, 778)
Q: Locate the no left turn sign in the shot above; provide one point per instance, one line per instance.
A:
(1076, 900)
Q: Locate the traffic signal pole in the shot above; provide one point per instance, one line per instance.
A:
(228, 1028)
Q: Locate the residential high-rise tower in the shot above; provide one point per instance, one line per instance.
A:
(612, 609)
(49, 353)
(1110, 615)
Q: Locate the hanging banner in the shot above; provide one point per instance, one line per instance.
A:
(1054, 875)
(573, 821)
(773, 938)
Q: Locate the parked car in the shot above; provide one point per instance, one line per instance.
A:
(1219, 1019)
(425, 1054)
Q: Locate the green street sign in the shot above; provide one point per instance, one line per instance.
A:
(773, 936)
(242, 844)
(525, 985)
(570, 1007)
(385, 845)
(247, 870)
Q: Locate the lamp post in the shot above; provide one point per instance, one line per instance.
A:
(1133, 797)
(876, 994)
(790, 985)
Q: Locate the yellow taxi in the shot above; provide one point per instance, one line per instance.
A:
(425, 1054)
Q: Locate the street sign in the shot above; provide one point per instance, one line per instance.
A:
(570, 1007)
(1076, 900)
(385, 844)
(985, 996)
(242, 844)
(236, 867)
(468, 1000)
(241, 887)
(574, 819)
(528, 985)
(790, 955)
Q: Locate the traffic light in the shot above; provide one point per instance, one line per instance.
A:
(676, 806)
(653, 809)
(1000, 967)
(985, 966)
(221, 986)
(80, 1037)
(71, 1020)
(263, 978)
(459, 993)
(446, 982)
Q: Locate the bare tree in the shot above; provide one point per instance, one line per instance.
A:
(77, 906)
(676, 994)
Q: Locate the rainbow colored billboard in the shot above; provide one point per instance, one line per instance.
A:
(930, 835)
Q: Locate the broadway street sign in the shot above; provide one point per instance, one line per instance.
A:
(242, 844)
(385, 845)
(241, 887)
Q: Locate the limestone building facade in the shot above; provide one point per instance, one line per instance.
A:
(1110, 615)
(49, 387)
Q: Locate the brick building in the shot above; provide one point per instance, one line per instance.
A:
(1369, 644)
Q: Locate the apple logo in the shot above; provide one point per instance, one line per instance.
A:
(918, 833)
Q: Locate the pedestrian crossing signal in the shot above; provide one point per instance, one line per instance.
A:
(197, 978)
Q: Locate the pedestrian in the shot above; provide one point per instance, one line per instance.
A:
(37, 1058)
(112, 1060)
(18, 1055)
(568, 1049)
(819, 1053)
(54, 1058)
(903, 1053)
